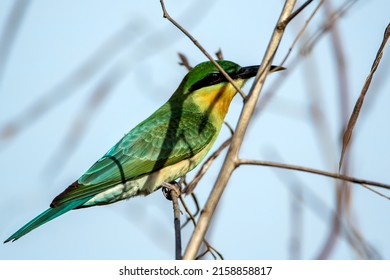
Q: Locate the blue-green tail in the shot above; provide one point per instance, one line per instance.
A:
(45, 217)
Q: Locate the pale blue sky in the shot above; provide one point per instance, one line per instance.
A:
(253, 220)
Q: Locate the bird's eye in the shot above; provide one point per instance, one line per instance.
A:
(214, 78)
(210, 79)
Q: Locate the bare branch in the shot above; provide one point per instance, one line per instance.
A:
(312, 170)
(174, 194)
(359, 102)
(230, 160)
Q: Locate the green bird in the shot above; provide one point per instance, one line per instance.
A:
(165, 146)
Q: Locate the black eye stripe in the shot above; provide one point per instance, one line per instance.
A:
(211, 79)
(243, 73)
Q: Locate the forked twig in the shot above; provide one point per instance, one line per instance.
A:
(294, 14)
(184, 61)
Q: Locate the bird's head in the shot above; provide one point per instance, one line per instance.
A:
(205, 86)
(206, 74)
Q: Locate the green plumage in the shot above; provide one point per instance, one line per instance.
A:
(165, 138)
(45, 217)
(164, 147)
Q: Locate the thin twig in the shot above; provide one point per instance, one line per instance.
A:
(203, 50)
(362, 248)
(330, 21)
(375, 191)
(229, 163)
(201, 255)
(176, 221)
(210, 248)
(359, 102)
(191, 216)
(316, 204)
(343, 190)
(302, 31)
(229, 127)
(313, 171)
(184, 61)
(174, 194)
(219, 54)
(296, 12)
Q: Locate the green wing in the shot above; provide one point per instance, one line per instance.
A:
(163, 139)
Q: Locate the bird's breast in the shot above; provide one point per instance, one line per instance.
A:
(215, 100)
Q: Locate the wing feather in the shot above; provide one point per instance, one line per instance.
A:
(163, 139)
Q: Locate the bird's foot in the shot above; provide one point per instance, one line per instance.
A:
(171, 186)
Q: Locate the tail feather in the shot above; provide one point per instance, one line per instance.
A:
(45, 217)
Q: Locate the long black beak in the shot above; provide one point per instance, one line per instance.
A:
(251, 71)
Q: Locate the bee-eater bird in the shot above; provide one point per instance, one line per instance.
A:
(165, 146)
